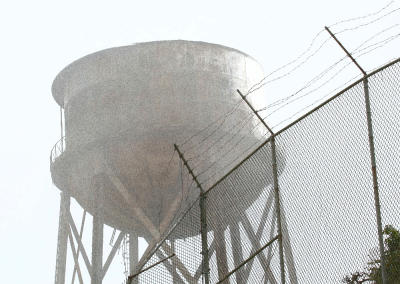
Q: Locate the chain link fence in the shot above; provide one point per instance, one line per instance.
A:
(328, 215)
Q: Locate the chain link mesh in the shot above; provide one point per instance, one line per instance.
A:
(326, 192)
(178, 257)
(385, 107)
(241, 216)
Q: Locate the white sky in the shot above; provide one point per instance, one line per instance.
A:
(39, 38)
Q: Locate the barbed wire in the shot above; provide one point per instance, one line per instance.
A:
(237, 131)
(368, 23)
(242, 153)
(383, 42)
(260, 84)
(309, 92)
(222, 117)
(280, 101)
(283, 102)
(315, 79)
(249, 116)
(376, 35)
(363, 17)
(290, 71)
(258, 123)
(314, 103)
(222, 122)
(341, 86)
(380, 43)
(251, 90)
(233, 147)
(222, 146)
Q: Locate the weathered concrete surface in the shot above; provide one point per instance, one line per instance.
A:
(125, 107)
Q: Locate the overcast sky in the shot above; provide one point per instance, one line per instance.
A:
(39, 38)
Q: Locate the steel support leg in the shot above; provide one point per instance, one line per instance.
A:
(97, 249)
(133, 252)
(133, 255)
(220, 250)
(62, 239)
(238, 254)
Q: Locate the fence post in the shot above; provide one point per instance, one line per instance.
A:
(203, 221)
(276, 189)
(375, 180)
(372, 156)
(278, 208)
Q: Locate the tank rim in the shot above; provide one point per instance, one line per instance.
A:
(62, 76)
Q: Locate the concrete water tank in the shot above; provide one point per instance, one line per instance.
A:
(124, 109)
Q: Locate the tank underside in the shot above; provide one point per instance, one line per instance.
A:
(125, 108)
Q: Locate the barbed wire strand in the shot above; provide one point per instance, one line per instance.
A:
(309, 83)
(212, 133)
(309, 92)
(238, 130)
(258, 123)
(279, 101)
(223, 116)
(287, 64)
(251, 90)
(363, 17)
(368, 23)
(334, 91)
(384, 42)
(228, 131)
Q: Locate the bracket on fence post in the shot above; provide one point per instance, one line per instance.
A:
(276, 188)
(372, 156)
(203, 220)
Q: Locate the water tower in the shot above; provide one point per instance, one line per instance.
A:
(123, 109)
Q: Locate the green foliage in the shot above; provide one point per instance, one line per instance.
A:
(372, 272)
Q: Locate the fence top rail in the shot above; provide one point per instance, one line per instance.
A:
(150, 267)
(303, 117)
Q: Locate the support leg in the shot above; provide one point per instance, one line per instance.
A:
(133, 252)
(62, 239)
(238, 254)
(220, 249)
(97, 250)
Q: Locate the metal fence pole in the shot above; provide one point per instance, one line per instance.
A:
(204, 242)
(278, 208)
(203, 221)
(373, 160)
(276, 190)
(375, 181)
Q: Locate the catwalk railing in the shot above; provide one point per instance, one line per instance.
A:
(327, 203)
(57, 150)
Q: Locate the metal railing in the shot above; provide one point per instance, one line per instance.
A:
(57, 150)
